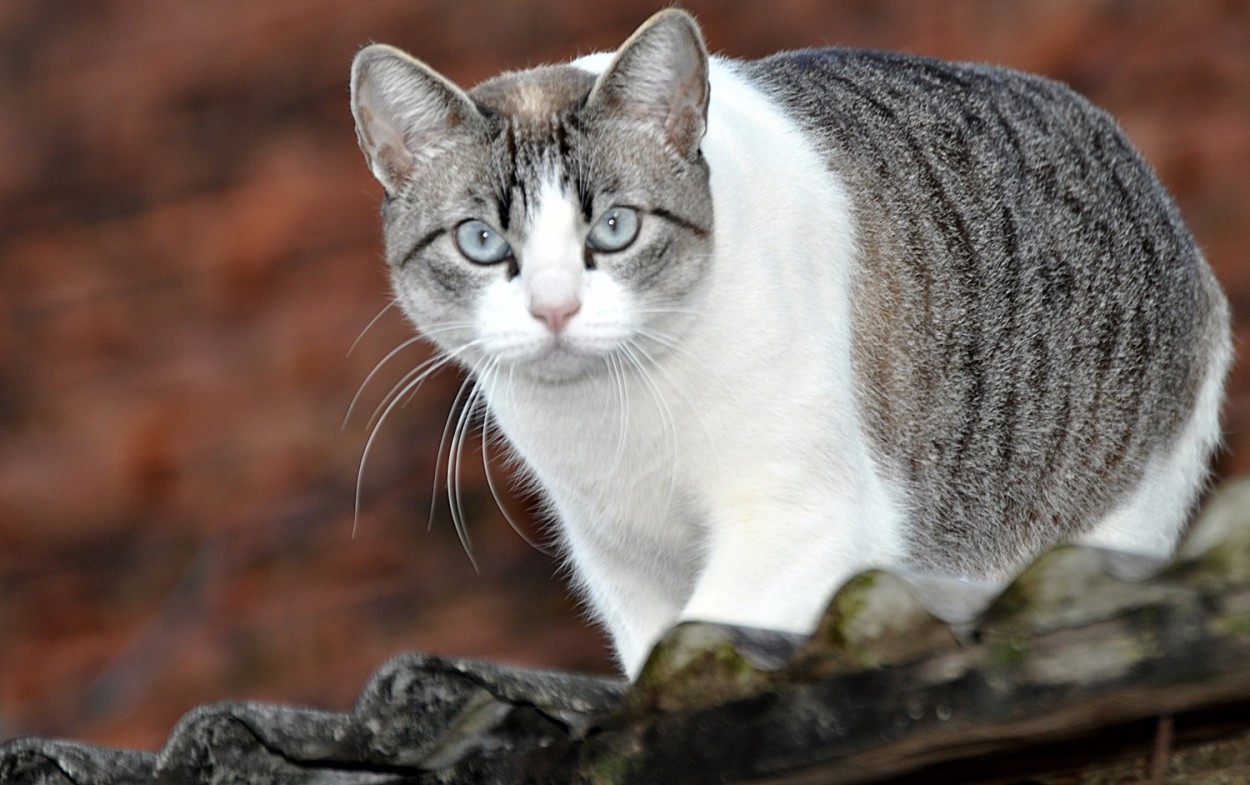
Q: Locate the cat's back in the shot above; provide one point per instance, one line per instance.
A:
(965, 139)
(1033, 322)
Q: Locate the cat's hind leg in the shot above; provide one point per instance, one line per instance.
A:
(1154, 516)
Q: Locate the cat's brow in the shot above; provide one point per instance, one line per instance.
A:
(671, 217)
(421, 245)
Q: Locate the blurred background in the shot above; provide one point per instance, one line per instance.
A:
(190, 247)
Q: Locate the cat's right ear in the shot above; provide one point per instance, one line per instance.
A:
(405, 112)
(660, 77)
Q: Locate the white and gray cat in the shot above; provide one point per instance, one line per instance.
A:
(753, 327)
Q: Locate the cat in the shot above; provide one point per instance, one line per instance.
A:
(753, 327)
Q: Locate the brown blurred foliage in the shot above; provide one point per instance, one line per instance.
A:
(189, 247)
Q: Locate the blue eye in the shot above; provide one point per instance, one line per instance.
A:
(481, 244)
(614, 231)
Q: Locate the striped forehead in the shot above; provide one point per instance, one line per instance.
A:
(532, 179)
(532, 99)
(532, 111)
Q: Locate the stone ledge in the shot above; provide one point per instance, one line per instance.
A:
(902, 680)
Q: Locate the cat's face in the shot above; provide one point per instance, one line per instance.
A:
(547, 221)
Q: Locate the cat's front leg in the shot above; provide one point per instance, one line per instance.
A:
(776, 563)
(636, 592)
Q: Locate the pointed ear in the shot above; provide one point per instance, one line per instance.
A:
(659, 76)
(405, 112)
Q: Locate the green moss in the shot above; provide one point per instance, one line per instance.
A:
(1007, 654)
(608, 770)
(848, 604)
(1238, 626)
(693, 667)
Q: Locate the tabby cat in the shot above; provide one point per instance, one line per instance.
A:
(752, 327)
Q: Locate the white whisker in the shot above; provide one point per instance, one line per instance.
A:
(621, 388)
(693, 411)
(443, 442)
(373, 435)
(377, 367)
(369, 326)
(670, 343)
(454, 463)
(487, 380)
(658, 337)
(408, 385)
(631, 351)
(665, 311)
(425, 333)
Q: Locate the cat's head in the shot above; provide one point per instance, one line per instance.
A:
(549, 218)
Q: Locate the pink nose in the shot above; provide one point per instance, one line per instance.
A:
(556, 316)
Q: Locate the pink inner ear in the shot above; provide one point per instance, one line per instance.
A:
(681, 126)
(391, 157)
(661, 79)
(395, 161)
(382, 139)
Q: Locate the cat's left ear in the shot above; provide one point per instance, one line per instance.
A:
(659, 76)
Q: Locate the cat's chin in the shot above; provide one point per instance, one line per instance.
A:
(561, 365)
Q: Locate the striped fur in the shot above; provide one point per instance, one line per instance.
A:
(1033, 319)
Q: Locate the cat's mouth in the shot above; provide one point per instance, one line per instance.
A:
(571, 355)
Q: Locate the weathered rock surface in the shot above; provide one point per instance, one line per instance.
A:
(1083, 645)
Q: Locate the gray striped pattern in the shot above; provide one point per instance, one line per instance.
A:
(1033, 320)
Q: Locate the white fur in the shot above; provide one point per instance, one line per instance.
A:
(677, 500)
(555, 265)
